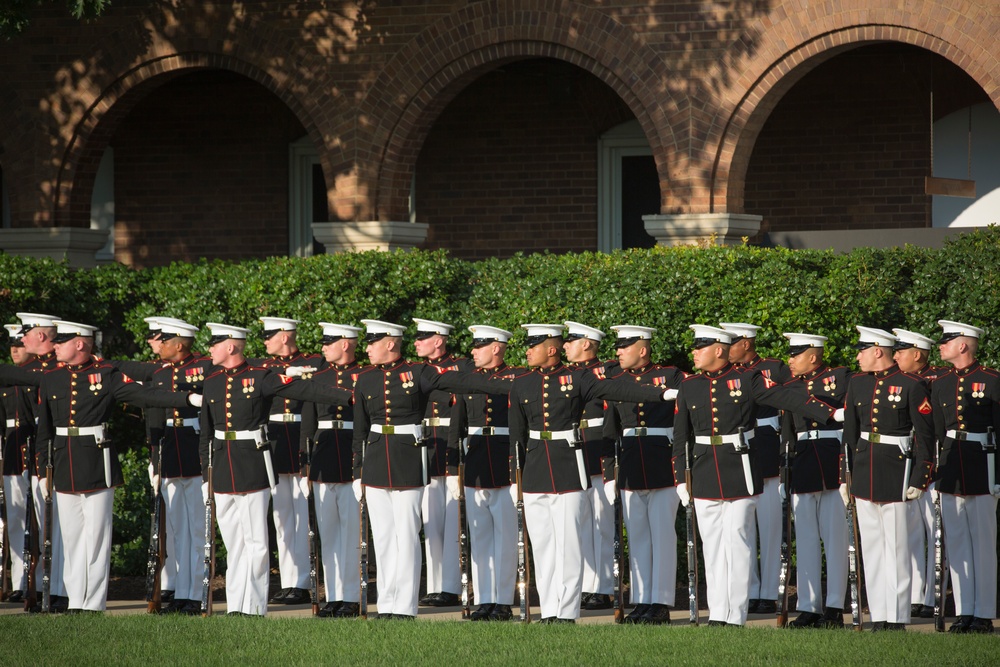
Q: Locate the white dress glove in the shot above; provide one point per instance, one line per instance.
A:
(43, 488)
(149, 471)
(670, 395)
(609, 492)
(912, 493)
(682, 493)
(838, 415)
(298, 371)
(995, 491)
(452, 483)
(155, 482)
(781, 491)
(204, 492)
(356, 485)
(195, 400)
(844, 494)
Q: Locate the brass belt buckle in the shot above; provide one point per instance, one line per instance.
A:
(875, 438)
(545, 435)
(716, 440)
(388, 430)
(230, 435)
(73, 431)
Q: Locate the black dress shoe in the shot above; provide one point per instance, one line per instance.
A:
(753, 606)
(807, 619)
(58, 604)
(347, 610)
(16, 596)
(585, 598)
(279, 597)
(961, 625)
(329, 609)
(879, 626)
(717, 624)
(598, 601)
(915, 609)
(175, 606)
(441, 600)
(296, 596)
(547, 620)
(482, 612)
(636, 614)
(501, 612)
(191, 608)
(766, 607)
(981, 626)
(926, 611)
(833, 618)
(238, 614)
(657, 614)
(429, 599)
(564, 621)
(166, 596)
(403, 617)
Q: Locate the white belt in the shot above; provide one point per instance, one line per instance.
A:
(11, 423)
(74, 431)
(981, 438)
(256, 435)
(568, 436)
(733, 439)
(820, 435)
(431, 422)
(397, 429)
(284, 417)
(773, 422)
(193, 422)
(591, 423)
(488, 430)
(330, 424)
(643, 431)
(898, 440)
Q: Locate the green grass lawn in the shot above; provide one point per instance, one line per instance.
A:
(150, 640)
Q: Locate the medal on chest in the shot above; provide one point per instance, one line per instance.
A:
(407, 379)
(895, 393)
(566, 383)
(978, 389)
(829, 383)
(248, 387)
(735, 387)
(95, 382)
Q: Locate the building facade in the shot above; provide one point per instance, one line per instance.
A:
(177, 130)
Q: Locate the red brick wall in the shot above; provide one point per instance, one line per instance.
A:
(201, 170)
(511, 164)
(847, 147)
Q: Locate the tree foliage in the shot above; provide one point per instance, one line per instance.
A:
(16, 15)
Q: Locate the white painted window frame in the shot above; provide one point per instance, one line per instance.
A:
(625, 140)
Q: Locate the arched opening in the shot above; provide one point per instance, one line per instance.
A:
(512, 163)
(848, 147)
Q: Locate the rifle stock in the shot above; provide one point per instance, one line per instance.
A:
(523, 567)
(209, 570)
(313, 551)
(464, 557)
(617, 568)
(786, 537)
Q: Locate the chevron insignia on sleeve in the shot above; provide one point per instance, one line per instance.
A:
(925, 407)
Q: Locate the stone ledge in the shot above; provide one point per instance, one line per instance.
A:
(696, 228)
(76, 245)
(371, 235)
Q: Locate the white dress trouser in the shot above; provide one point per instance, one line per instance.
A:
(339, 527)
(291, 530)
(820, 516)
(764, 586)
(598, 541)
(886, 556)
(726, 538)
(493, 534)
(970, 537)
(555, 522)
(395, 521)
(15, 488)
(186, 535)
(242, 519)
(440, 515)
(85, 524)
(56, 585)
(920, 514)
(652, 544)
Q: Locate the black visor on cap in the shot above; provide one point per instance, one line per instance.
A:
(532, 341)
(371, 337)
(64, 337)
(574, 336)
(164, 336)
(902, 345)
(153, 334)
(703, 342)
(951, 335)
(424, 335)
(483, 342)
(16, 342)
(330, 339)
(864, 345)
(215, 340)
(267, 333)
(626, 342)
(25, 328)
(796, 350)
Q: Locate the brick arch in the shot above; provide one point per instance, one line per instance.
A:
(783, 64)
(430, 70)
(245, 46)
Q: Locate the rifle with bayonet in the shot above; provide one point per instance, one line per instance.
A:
(464, 557)
(617, 563)
(363, 545)
(523, 565)
(853, 573)
(209, 570)
(313, 531)
(47, 540)
(30, 553)
(157, 553)
(692, 541)
(786, 535)
(939, 556)
(4, 536)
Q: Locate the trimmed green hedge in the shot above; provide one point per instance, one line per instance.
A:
(668, 288)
